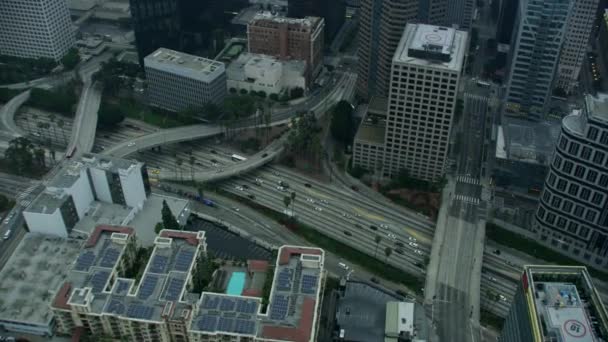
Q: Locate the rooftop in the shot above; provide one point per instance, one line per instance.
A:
(428, 45)
(565, 303)
(527, 141)
(183, 64)
(236, 69)
(597, 106)
(36, 269)
(269, 16)
(373, 125)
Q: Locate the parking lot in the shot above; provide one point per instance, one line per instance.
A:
(226, 245)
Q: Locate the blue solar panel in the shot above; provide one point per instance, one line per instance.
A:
(116, 307)
(207, 323)
(246, 306)
(227, 304)
(174, 289)
(147, 286)
(140, 311)
(121, 287)
(211, 302)
(225, 324)
(309, 284)
(278, 308)
(284, 279)
(244, 327)
(183, 260)
(84, 261)
(109, 257)
(159, 263)
(99, 280)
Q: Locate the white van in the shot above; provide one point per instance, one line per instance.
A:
(7, 235)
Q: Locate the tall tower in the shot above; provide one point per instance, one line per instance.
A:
(573, 211)
(381, 26)
(36, 28)
(541, 27)
(425, 76)
(578, 35)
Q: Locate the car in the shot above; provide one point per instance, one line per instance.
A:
(399, 244)
(264, 155)
(372, 227)
(106, 136)
(239, 188)
(275, 173)
(310, 200)
(245, 186)
(131, 144)
(347, 233)
(251, 196)
(375, 280)
(492, 279)
(413, 239)
(502, 297)
(213, 161)
(36, 134)
(235, 208)
(213, 151)
(358, 226)
(307, 185)
(391, 236)
(7, 235)
(357, 215)
(280, 188)
(283, 184)
(318, 209)
(419, 252)
(324, 202)
(384, 226)
(344, 215)
(496, 251)
(399, 251)
(343, 265)
(413, 244)
(354, 187)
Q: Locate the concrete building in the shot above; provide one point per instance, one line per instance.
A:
(368, 145)
(178, 81)
(425, 79)
(381, 26)
(450, 13)
(97, 298)
(540, 29)
(506, 21)
(555, 303)
(69, 194)
(602, 44)
(40, 28)
(572, 215)
(254, 72)
(576, 43)
(288, 38)
(400, 323)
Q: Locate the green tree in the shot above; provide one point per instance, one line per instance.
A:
(273, 97)
(5, 203)
(239, 106)
(61, 125)
(377, 239)
(169, 221)
(293, 202)
(109, 115)
(203, 273)
(342, 123)
(211, 111)
(71, 59)
(158, 227)
(232, 90)
(287, 202)
(243, 91)
(387, 252)
(20, 155)
(296, 93)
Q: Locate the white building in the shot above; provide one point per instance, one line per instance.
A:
(178, 81)
(68, 196)
(254, 72)
(425, 77)
(33, 29)
(576, 42)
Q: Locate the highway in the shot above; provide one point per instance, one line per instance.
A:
(7, 115)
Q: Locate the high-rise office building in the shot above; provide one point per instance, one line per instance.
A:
(333, 12)
(381, 24)
(506, 20)
(34, 29)
(576, 43)
(555, 303)
(572, 215)
(425, 76)
(181, 25)
(535, 49)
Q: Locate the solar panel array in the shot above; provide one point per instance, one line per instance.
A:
(84, 261)
(309, 284)
(183, 260)
(121, 287)
(99, 280)
(147, 286)
(140, 311)
(115, 307)
(207, 323)
(278, 308)
(246, 306)
(109, 257)
(174, 289)
(211, 302)
(284, 279)
(159, 263)
(227, 304)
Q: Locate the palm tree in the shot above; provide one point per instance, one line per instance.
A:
(40, 158)
(34, 119)
(61, 124)
(287, 202)
(378, 238)
(293, 201)
(52, 118)
(387, 251)
(201, 189)
(267, 120)
(192, 160)
(178, 164)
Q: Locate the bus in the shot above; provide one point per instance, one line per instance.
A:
(483, 84)
(236, 157)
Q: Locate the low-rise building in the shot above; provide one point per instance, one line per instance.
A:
(253, 72)
(368, 145)
(68, 195)
(179, 81)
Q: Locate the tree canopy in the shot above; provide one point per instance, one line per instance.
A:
(62, 100)
(169, 221)
(22, 156)
(71, 59)
(109, 115)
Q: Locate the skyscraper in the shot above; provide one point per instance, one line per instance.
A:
(506, 20)
(540, 30)
(576, 42)
(381, 26)
(555, 303)
(425, 77)
(33, 29)
(572, 215)
(334, 13)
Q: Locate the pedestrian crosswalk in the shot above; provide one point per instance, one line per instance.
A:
(24, 197)
(467, 199)
(468, 179)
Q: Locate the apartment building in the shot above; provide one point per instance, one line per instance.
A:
(572, 215)
(68, 196)
(288, 38)
(34, 29)
(425, 77)
(178, 81)
(555, 303)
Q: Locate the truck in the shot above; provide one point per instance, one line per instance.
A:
(208, 202)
